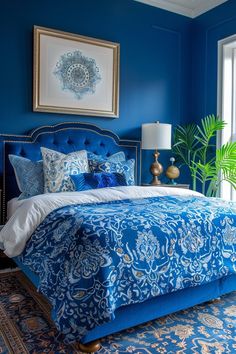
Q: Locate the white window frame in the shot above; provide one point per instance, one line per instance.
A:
(226, 100)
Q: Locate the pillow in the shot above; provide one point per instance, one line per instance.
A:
(94, 160)
(85, 181)
(126, 168)
(58, 167)
(29, 176)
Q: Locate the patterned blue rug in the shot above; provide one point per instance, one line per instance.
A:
(25, 326)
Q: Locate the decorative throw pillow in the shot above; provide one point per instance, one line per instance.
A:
(29, 176)
(94, 160)
(126, 168)
(58, 167)
(85, 181)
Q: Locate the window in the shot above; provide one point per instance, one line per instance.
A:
(227, 100)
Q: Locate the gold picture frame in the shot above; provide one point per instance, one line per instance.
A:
(75, 74)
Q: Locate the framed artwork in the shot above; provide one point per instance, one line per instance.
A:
(75, 74)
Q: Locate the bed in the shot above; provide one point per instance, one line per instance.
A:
(170, 294)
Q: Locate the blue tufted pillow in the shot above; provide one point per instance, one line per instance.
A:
(94, 160)
(58, 167)
(126, 168)
(29, 176)
(85, 181)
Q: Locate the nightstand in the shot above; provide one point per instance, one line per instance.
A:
(185, 186)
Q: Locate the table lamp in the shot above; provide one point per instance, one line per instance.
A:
(156, 136)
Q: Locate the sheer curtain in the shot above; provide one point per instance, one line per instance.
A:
(227, 100)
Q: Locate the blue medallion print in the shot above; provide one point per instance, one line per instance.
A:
(78, 73)
(94, 258)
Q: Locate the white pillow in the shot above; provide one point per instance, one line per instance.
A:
(58, 167)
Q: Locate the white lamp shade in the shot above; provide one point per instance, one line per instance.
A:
(156, 136)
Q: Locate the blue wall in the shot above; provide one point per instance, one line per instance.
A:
(154, 61)
(206, 31)
(168, 62)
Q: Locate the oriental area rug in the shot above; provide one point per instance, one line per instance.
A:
(26, 327)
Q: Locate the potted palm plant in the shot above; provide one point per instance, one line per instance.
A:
(195, 147)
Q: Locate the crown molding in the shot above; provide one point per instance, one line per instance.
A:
(189, 11)
(207, 6)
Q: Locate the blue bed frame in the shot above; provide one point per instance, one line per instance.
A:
(67, 137)
(132, 315)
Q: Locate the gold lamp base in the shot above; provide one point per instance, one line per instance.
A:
(156, 170)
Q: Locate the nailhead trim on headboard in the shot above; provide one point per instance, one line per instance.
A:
(64, 137)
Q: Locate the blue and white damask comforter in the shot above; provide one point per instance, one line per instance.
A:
(94, 258)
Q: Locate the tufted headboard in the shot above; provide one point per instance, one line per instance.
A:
(64, 137)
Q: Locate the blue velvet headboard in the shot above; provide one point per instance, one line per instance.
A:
(64, 137)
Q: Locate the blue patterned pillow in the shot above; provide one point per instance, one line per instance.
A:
(85, 181)
(58, 167)
(126, 168)
(94, 160)
(29, 176)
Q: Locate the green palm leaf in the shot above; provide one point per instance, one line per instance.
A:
(185, 136)
(194, 147)
(205, 172)
(226, 156)
(185, 143)
(226, 162)
(209, 126)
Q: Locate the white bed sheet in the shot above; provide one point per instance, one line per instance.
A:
(12, 205)
(26, 215)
